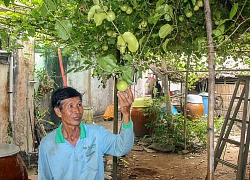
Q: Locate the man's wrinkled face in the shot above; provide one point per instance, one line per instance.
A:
(71, 111)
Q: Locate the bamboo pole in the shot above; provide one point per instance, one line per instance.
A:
(185, 105)
(217, 70)
(211, 90)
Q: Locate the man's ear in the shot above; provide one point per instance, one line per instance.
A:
(58, 112)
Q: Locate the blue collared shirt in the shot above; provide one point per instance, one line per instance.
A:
(59, 160)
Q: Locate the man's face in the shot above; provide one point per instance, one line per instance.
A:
(71, 112)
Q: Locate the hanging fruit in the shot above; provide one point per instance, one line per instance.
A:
(110, 16)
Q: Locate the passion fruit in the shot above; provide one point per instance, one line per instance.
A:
(122, 85)
(110, 16)
(189, 14)
(124, 7)
(129, 10)
(181, 18)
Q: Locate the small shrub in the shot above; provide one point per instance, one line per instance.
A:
(169, 130)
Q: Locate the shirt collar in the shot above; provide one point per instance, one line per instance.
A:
(59, 135)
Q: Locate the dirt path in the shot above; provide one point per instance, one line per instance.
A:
(143, 165)
(146, 164)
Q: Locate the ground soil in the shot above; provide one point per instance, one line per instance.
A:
(143, 163)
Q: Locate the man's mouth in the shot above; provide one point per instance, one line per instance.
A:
(77, 118)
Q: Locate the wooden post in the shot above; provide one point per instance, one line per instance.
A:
(185, 104)
(166, 89)
(115, 120)
(211, 89)
(89, 89)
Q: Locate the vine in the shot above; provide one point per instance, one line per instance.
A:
(161, 29)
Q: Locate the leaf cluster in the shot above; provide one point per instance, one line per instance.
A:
(164, 29)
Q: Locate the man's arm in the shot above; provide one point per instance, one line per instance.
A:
(43, 166)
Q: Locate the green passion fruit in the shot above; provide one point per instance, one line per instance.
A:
(110, 16)
(181, 18)
(124, 7)
(129, 10)
(189, 14)
(122, 86)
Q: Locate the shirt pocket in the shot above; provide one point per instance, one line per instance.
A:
(91, 159)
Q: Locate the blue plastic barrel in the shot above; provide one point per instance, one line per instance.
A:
(205, 103)
(173, 109)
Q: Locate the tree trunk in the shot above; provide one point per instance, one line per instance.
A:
(166, 89)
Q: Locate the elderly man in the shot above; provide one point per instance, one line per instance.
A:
(74, 151)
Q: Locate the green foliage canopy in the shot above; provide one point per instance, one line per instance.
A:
(143, 31)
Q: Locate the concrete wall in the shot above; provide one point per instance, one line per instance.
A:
(4, 99)
(91, 88)
(17, 128)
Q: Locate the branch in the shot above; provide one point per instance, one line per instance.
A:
(234, 31)
(12, 10)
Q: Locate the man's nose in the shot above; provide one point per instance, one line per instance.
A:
(78, 109)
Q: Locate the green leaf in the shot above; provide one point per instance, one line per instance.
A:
(92, 11)
(69, 49)
(107, 63)
(169, 10)
(161, 9)
(167, 17)
(35, 13)
(7, 2)
(140, 71)
(31, 32)
(154, 19)
(63, 29)
(217, 15)
(134, 3)
(216, 32)
(44, 11)
(233, 11)
(127, 74)
(160, 2)
(141, 40)
(99, 17)
(50, 122)
(96, 2)
(219, 30)
(165, 30)
(193, 2)
(201, 42)
(187, 8)
(164, 45)
(127, 57)
(50, 5)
